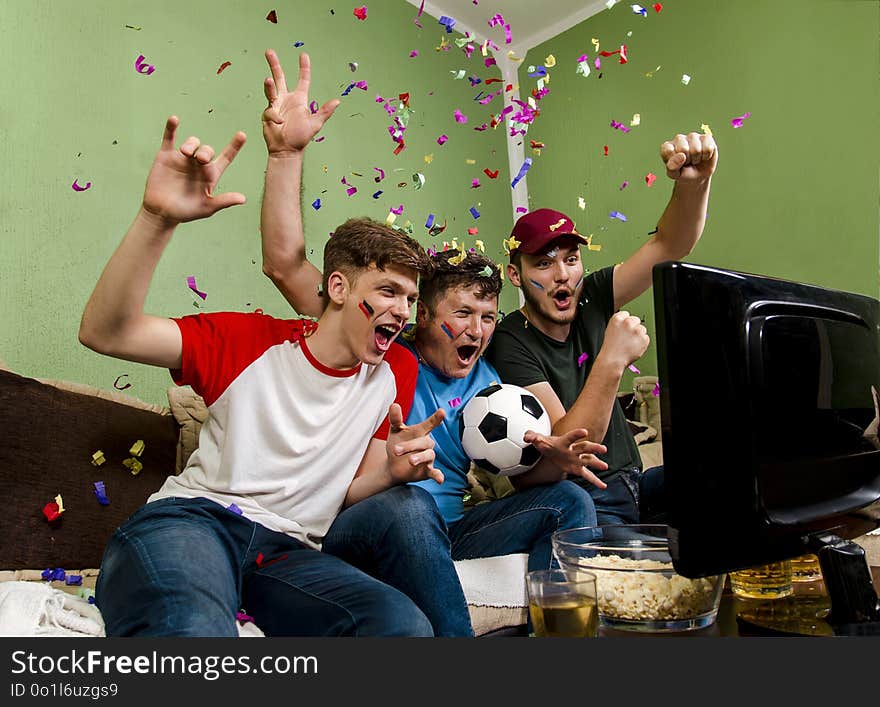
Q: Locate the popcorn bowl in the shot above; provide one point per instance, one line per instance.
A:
(637, 587)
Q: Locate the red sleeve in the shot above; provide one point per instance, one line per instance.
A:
(405, 369)
(218, 347)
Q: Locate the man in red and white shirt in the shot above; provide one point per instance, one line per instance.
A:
(306, 419)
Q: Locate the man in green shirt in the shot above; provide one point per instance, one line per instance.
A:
(571, 340)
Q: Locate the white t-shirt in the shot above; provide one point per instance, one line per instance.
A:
(285, 434)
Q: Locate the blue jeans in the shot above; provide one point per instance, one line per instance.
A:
(522, 522)
(184, 567)
(632, 496)
(399, 537)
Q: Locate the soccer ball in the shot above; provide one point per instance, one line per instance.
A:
(492, 426)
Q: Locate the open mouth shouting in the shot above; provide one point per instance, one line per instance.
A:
(467, 353)
(562, 298)
(383, 335)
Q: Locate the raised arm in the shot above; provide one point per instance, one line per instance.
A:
(690, 161)
(288, 127)
(180, 187)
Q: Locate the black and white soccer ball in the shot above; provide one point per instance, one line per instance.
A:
(492, 425)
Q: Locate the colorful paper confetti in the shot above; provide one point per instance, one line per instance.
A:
(142, 67)
(360, 12)
(191, 284)
(77, 187)
(619, 216)
(223, 66)
(738, 121)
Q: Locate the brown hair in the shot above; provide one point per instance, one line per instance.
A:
(361, 242)
(469, 272)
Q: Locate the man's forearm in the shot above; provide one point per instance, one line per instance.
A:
(119, 295)
(592, 408)
(682, 222)
(281, 222)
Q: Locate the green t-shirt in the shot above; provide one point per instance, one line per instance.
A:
(523, 356)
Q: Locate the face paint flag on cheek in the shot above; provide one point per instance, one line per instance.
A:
(537, 284)
(447, 330)
(366, 309)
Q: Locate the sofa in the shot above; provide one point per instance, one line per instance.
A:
(55, 434)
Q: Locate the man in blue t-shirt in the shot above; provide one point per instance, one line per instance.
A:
(456, 318)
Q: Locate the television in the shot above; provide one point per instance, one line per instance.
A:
(769, 415)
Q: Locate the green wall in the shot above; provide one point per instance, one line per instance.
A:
(76, 108)
(795, 194)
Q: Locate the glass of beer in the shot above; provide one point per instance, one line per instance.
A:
(805, 569)
(563, 604)
(770, 581)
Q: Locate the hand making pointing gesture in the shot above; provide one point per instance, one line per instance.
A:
(410, 448)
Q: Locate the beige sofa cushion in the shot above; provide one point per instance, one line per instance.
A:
(190, 411)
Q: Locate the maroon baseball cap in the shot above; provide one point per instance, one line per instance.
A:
(537, 229)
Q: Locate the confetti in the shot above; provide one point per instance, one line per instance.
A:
(619, 216)
(474, 212)
(316, 204)
(242, 617)
(137, 448)
(429, 158)
(619, 126)
(377, 194)
(360, 12)
(133, 465)
(685, 79)
(442, 139)
(73, 580)
(475, 184)
(582, 359)
(489, 173)
(413, 53)
(121, 387)
(649, 178)
(521, 210)
(486, 271)
(142, 67)
(98, 458)
(636, 119)
(298, 44)
(624, 185)
(526, 165)
(639, 10)
(223, 66)
(261, 561)
(191, 284)
(706, 130)
(605, 148)
(656, 391)
(583, 66)
(738, 121)
(352, 66)
(550, 61)
(633, 368)
(234, 509)
(418, 180)
(511, 244)
(657, 7)
(272, 17)
(101, 493)
(459, 116)
(430, 221)
(51, 511)
(447, 22)
(77, 187)
(379, 177)
(455, 402)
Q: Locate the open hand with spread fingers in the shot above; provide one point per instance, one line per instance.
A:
(410, 448)
(180, 185)
(690, 158)
(572, 453)
(288, 122)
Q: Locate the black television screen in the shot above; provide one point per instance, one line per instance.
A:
(769, 415)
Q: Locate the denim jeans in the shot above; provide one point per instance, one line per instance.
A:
(399, 537)
(632, 496)
(522, 522)
(184, 567)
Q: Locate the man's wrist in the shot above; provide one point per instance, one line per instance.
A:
(286, 154)
(156, 220)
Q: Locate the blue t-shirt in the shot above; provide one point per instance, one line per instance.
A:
(434, 390)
